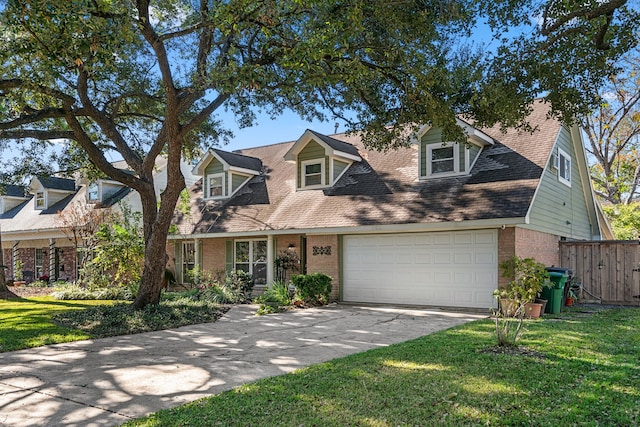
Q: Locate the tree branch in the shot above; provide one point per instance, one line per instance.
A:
(43, 135)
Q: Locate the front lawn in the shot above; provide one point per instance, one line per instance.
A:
(26, 323)
(581, 369)
(32, 322)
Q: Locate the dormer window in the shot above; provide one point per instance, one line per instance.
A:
(215, 185)
(224, 173)
(443, 159)
(93, 192)
(40, 200)
(313, 171)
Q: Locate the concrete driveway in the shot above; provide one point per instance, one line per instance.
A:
(108, 381)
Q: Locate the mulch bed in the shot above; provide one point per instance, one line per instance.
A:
(17, 292)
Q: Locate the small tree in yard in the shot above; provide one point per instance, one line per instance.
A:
(118, 254)
(79, 222)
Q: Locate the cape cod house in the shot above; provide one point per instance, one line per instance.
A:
(31, 234)
(428, 224)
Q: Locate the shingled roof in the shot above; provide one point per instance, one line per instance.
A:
(54, 183)
(240, 160)
(383, 188)
(13, 190)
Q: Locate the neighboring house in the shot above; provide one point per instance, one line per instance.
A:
(427, 225)
(29, 223)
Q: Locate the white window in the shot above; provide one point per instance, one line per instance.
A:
(564, 167)
(312, 173)
(215, 186)
(39, 263)
(251, 256)
(92, 192)
(188, 261)
(443, 159)
(40, 201)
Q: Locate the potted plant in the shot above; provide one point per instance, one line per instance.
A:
(528, 277)
(571, 298)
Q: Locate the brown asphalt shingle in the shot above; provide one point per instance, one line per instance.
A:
(384, 188)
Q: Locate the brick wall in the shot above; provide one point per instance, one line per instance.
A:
(543, 247)
(327, 264)
(213, 255)
(67, 262)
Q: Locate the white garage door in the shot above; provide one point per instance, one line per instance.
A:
(456, 269)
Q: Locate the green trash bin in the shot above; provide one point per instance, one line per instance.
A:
(554, 294)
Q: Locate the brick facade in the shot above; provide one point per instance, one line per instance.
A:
(328, 264)
(66, 256)
(525, 243)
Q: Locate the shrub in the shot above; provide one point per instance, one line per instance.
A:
(71, 291)
(38, 284)
(312, 289)
(240, 283)
(274, 299)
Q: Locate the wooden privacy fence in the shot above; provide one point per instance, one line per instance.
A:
(608, 270)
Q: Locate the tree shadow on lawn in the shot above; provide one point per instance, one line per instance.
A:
(583, 372)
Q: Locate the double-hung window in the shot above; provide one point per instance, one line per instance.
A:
(39, 263)
(564, 167)
(313, 173)
(215, 186)
(92, 192)
(251, 257)
(40, 201)
(443, 159)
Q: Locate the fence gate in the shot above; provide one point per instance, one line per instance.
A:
(608, 270)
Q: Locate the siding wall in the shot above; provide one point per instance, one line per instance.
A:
(338, 168)
(557, 208)
(237, 181)
(434, 136)
(312, 151)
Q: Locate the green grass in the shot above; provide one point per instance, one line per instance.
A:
(33, 322)
(26, 323)
(580, 369)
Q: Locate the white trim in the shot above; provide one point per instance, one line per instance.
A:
(473, 133)
(292, 154)
(456, 159)
(252, 261)
(303, 175)
(44, 200)
(207, 182)
(564, 155)
(331, 170)
(346, 156)
(364, 229)
(243, 171)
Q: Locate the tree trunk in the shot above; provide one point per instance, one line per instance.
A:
(156, 229)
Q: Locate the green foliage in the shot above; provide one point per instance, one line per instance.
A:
(275, 298)
(72, 291)
(17, 272)
(146, 79)
(38, 284)
(118, 252)
(122, 319)
(527, 278)
(312, 289)
(625, 220)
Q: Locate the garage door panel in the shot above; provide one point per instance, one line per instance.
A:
(444, 268)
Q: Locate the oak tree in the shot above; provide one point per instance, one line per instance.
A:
(145, 79)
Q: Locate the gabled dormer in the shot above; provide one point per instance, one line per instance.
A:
(101, 191)
(224, 173)
(440, 158)
(47, 191)
(320, 160)
(12, 196)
